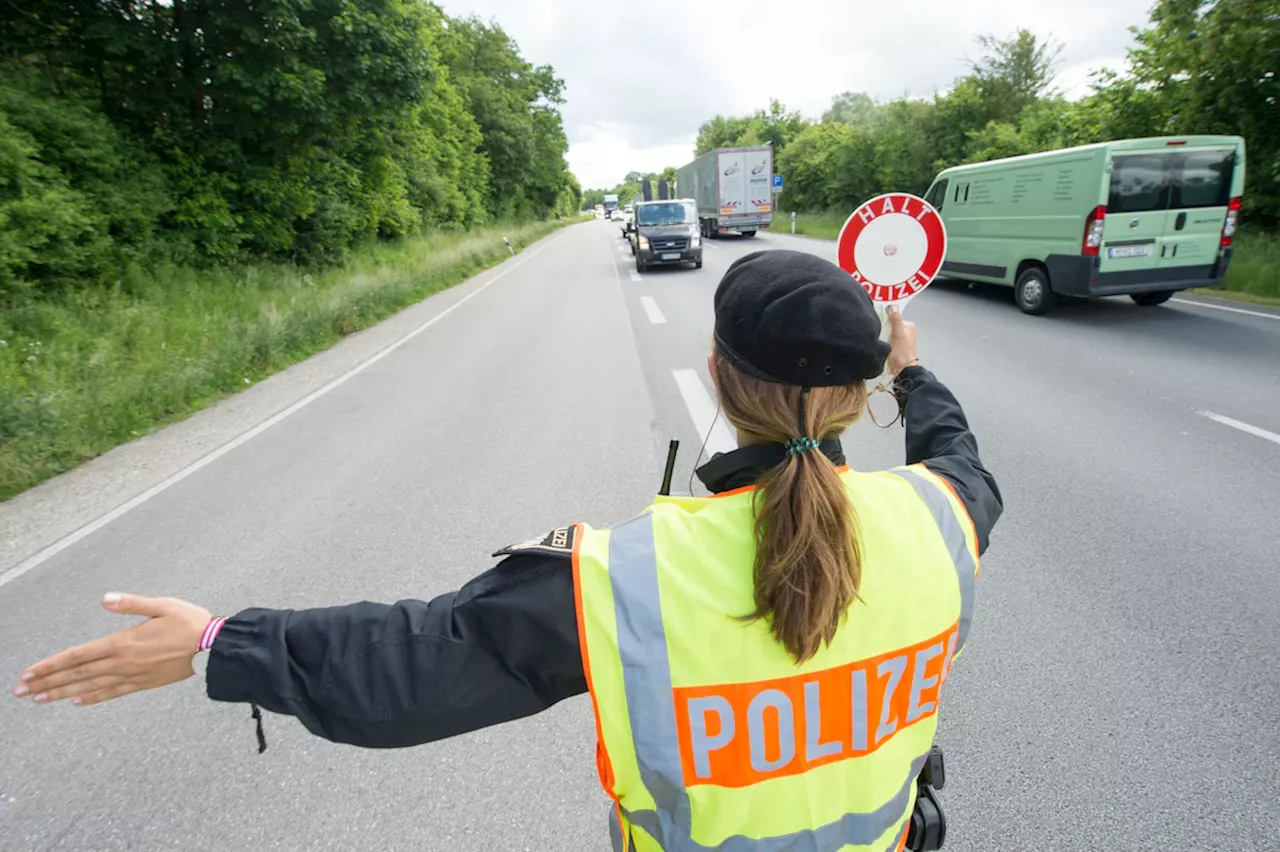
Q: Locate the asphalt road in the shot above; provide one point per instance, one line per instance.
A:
(1118, 690)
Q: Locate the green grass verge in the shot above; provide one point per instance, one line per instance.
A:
(81, 375)
(1270, 301)
(1254, 274)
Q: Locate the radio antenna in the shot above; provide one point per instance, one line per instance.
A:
(665, 491)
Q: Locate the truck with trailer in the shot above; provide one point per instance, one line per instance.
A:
(610, 206)
(732, 188)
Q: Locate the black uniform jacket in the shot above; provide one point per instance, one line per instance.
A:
(505, 645)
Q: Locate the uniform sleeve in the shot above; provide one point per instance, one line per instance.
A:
(377, 675)
(938, 436)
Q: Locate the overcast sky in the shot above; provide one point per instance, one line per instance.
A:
(640, 77)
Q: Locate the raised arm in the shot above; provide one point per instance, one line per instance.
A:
(938, 436)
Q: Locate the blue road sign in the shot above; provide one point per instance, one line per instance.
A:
(777, 181)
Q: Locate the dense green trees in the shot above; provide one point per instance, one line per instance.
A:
(208, 131)
(1198, 67)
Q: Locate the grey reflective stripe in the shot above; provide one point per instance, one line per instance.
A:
(953, 534)
(850, 829)
(646, 674)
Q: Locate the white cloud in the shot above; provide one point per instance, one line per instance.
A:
(640, 78)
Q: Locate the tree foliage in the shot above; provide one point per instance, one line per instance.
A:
(629, 189)
(1198, 67)
(211, 131)
(775, 126)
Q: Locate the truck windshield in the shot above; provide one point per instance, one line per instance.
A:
(675, 213)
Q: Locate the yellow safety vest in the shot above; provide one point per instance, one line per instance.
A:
(710, 736)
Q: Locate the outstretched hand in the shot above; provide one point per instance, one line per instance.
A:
(902, 342)
(155, 653)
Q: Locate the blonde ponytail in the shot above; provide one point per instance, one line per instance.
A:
(808, 566)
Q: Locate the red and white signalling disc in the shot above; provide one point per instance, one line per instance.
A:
(893, 246)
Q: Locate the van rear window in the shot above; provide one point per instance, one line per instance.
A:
(1138, 184)
(1205, 180)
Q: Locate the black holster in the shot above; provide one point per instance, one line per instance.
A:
(927, 829)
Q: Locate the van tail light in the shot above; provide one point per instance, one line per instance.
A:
(1093, 232)
(1229, 226)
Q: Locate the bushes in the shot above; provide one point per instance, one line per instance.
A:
(193, 195)
(95, 368)
(292, 131)
(77, 200)
(1197, 69)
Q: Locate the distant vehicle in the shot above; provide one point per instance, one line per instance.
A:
(610, 206)
(1138, 217)
(665, 233)
(733, 189)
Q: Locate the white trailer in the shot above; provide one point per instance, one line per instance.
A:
(733, 188)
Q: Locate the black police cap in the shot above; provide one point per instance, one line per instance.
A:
(793, 318)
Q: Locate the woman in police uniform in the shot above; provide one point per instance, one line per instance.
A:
(765, 664)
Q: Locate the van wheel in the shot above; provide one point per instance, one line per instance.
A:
(1033, 293)
(698, 265)
(1150, 300)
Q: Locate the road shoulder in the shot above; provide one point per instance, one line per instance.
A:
(47, 513)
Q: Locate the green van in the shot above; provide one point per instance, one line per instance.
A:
(1138, 217)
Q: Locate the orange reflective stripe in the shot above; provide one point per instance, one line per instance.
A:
(739, 734)
(735, 492)
(844, 468)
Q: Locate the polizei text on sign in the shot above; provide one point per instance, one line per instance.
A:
(893, 246)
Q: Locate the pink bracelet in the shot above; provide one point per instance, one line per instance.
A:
(211, 631)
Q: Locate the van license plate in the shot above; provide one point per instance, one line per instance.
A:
(1129, 251)
(671, 255)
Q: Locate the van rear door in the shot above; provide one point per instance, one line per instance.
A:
(1166, 209)
(758, 166)
(732, 179)
(1137, 206)
(1200, 191)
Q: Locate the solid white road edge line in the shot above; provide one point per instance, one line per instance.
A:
(1226, 308)
(651, 308)
(128, 506)
(1243, 427)
(703, 411)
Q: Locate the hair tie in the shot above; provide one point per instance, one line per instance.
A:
(801, 445)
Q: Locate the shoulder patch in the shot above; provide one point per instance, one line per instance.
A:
(558, 542)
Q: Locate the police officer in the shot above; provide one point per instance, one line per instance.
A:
(766, 664)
